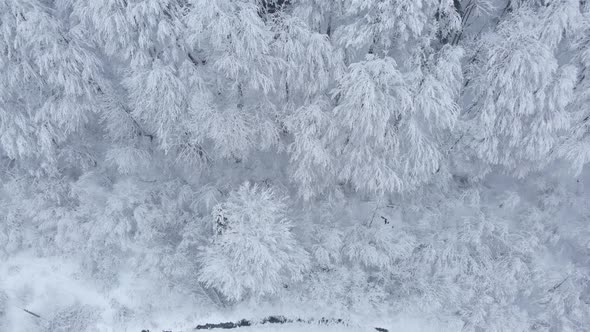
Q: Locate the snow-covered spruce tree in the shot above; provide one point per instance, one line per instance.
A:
(373, 95)
(576, 147)
(145, 99)
(389, 127)
(232, 43)
(520, 90)
(310, 60)
(252, 251)
(312, 63)
(389, 120)
(312, 161)
(48, 89)
(320, 15)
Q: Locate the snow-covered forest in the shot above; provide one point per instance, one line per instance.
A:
(415, 165)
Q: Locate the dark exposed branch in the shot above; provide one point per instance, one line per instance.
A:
(31, 313)
(195, 61)
(273, 6)
(558, 285)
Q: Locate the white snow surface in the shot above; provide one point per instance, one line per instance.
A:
(45, 286)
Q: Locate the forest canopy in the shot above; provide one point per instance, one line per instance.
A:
(373, 157)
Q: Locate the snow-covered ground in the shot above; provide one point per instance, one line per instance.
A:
(53, 289)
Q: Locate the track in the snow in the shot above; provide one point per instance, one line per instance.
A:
(274, 320)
